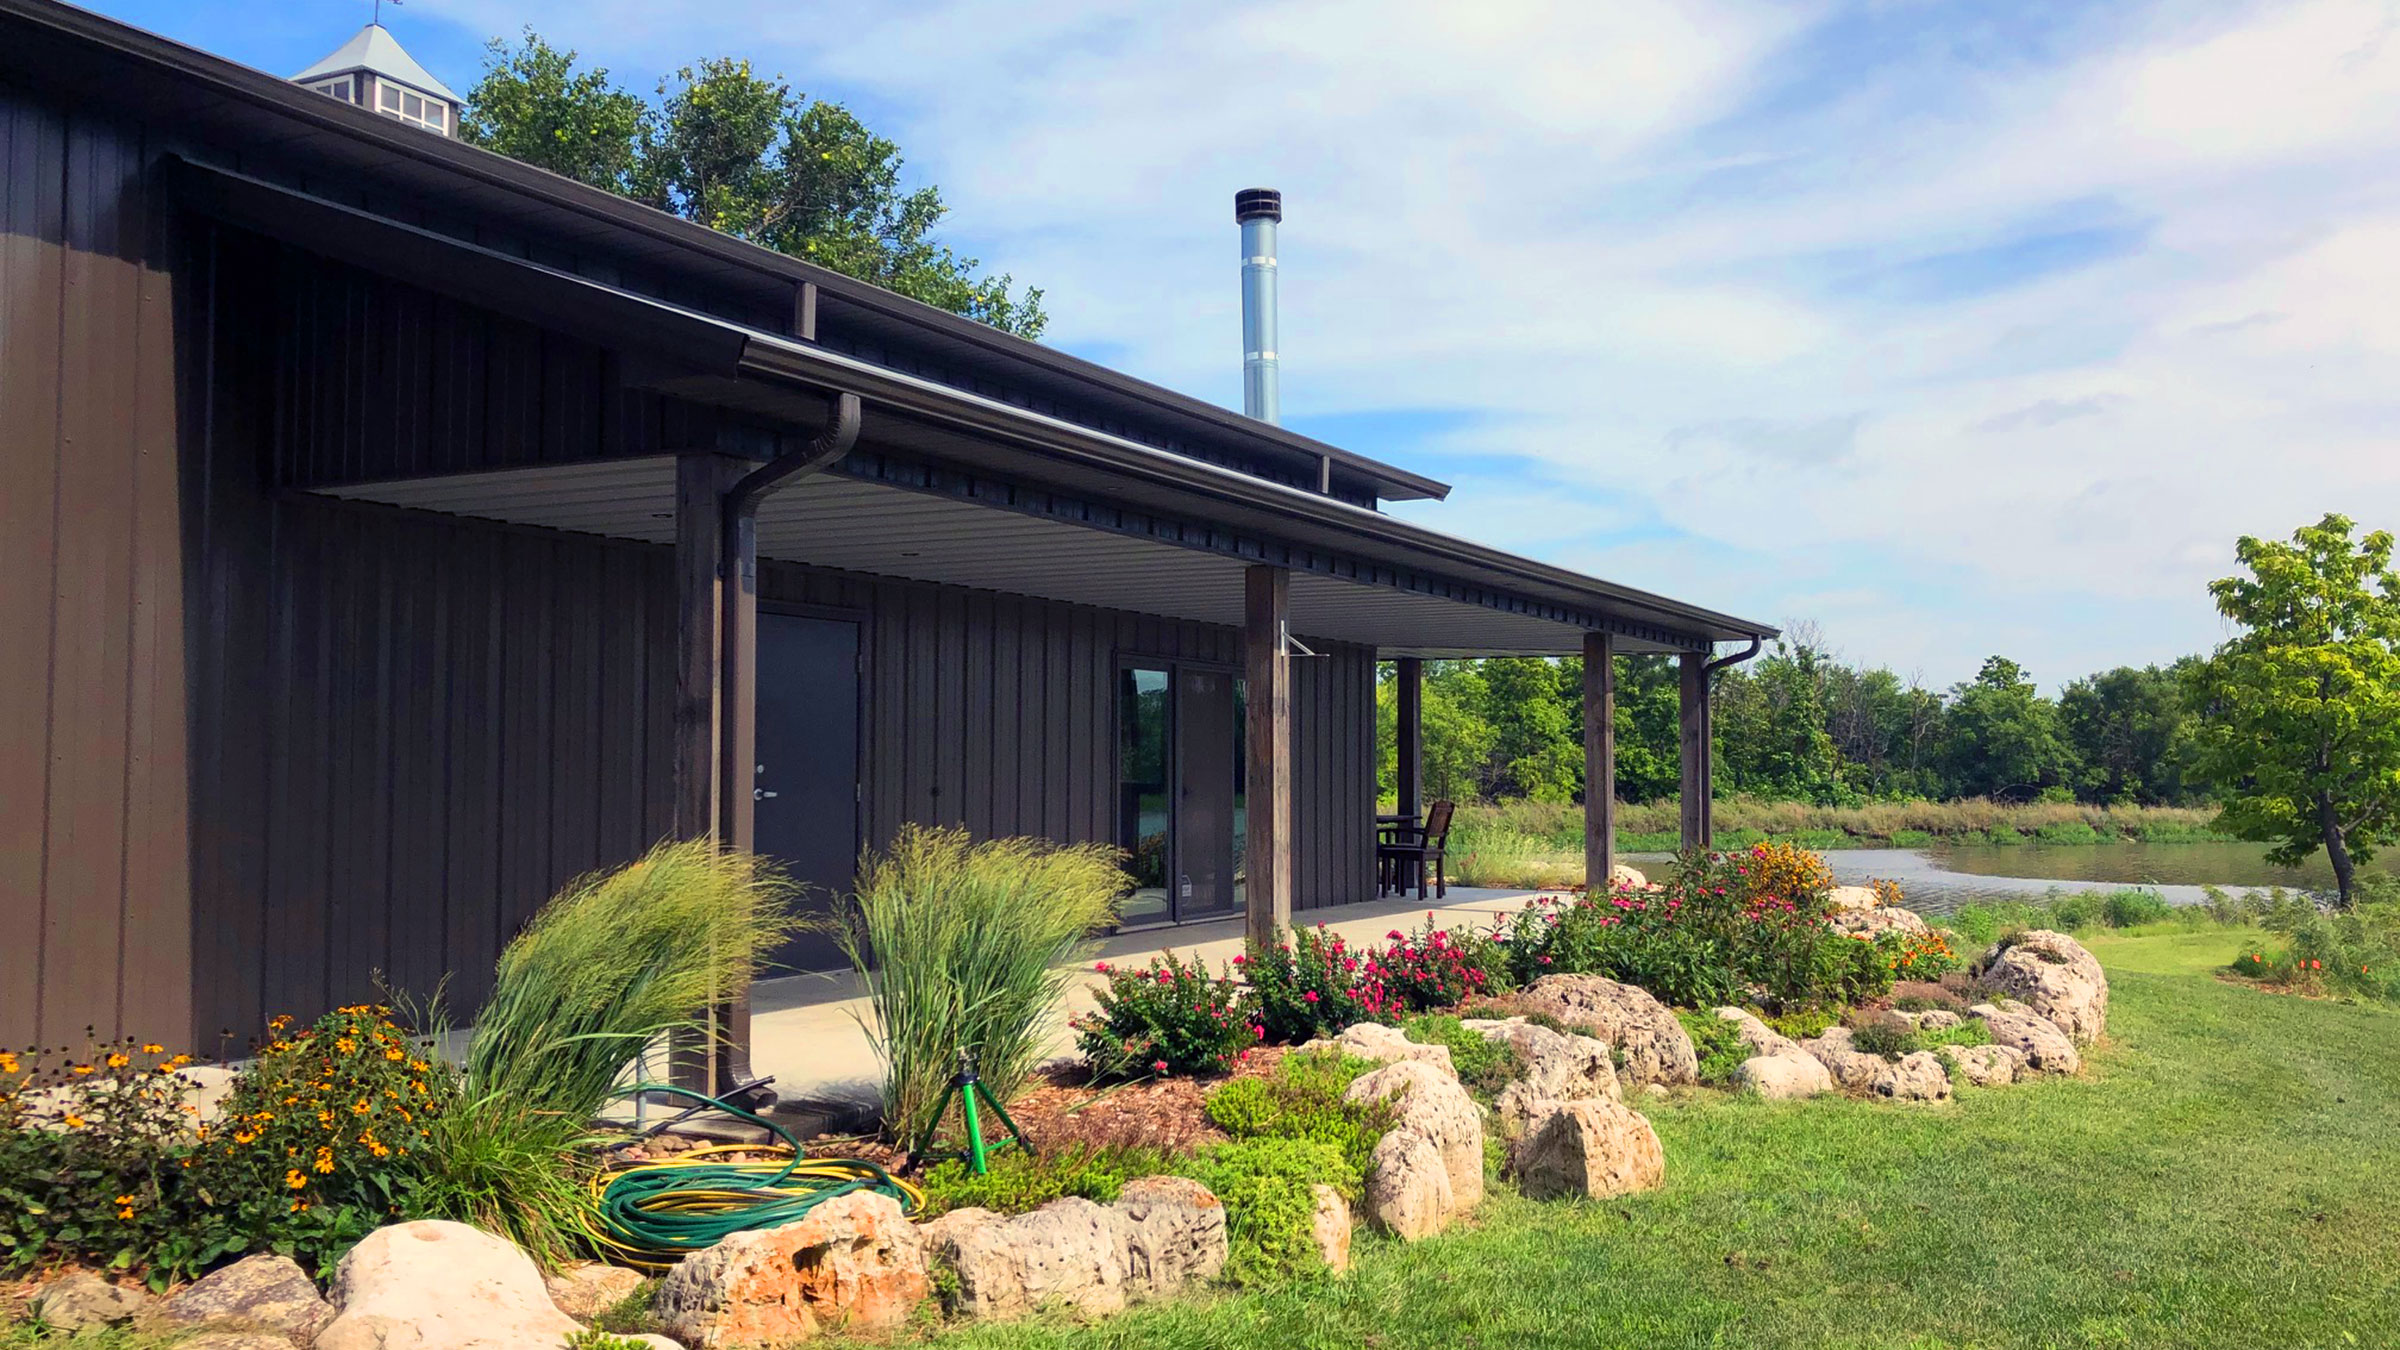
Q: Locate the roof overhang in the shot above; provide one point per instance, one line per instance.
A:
(952, 486)
(263, 119)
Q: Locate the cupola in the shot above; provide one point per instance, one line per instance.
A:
(373, 71)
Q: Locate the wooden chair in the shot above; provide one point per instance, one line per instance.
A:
(1416, 848)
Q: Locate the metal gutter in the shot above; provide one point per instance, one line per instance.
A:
(238, 83)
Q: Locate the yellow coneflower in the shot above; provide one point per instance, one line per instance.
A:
(295, 1178)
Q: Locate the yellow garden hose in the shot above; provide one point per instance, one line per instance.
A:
(653, 1214)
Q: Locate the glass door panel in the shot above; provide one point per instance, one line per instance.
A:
(1204, 865)
(1144, 809)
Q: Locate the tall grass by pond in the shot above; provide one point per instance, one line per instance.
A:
(1533, 844)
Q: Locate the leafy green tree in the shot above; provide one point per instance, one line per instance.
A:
(1771, 734)
(1649, 750)
(2128, 727)
(2004, 736)
(1537, 728)
(2299, 717)
(740, 152)
(532, 104)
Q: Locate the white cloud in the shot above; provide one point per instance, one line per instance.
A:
(1574, 221)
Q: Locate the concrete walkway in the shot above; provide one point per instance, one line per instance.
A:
(804, 1029)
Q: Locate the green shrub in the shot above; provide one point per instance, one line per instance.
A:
(1718, 1042)
(1169, 1017)
(1484, 1065)
(1302, 1099)
(2004, 836)
(1803, 1025)
(2125, 909)
(1912, 839)
(966, 944)
(2068, 832)
(1018, 1182)
(1969, 1031)
(1886, 1036)
(613, 962)
(2074, 913)
(1264, 1185)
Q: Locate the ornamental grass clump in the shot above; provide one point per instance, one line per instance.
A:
(617, 960)
(968, 945)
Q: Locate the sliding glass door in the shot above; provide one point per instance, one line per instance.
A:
(1180, 804)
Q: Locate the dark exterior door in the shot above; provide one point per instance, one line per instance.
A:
(807, 780)
(1204, 772)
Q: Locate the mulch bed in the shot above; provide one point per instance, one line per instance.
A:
(1063, 1108)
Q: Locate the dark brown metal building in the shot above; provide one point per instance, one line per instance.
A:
(372, 560)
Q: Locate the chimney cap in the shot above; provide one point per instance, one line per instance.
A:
(1252, 203)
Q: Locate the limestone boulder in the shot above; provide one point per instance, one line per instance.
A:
(1852, 898)
(2053, 975)
(1650, 1045)
(1625, 878)
(85, 1302)
(436, 1285)
(207, 1339)
(1559, 1066)
(1784, 1077)
(1984, 1065)
(1408, 1188)
(1871, 923)
(1431, 1104)
(854, 1263)
(1760, 1038)
(1384, 1045)
(264, 1292)
(1916, 1076)
(1932, 1019)
(1595, 1148)
(1919, 1076)
(587, 1289)
(1175, 1234)
(1330, 1224)
(1070, 1254)
(2046, 1048)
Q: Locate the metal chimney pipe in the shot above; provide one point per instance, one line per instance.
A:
(1258, 211)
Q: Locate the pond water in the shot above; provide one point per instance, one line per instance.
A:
(1941, 880)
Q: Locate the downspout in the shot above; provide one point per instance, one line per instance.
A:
(1708, 726)
(738, 566)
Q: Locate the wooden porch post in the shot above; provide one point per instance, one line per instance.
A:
(703, 703)
(1599, 760)
(1699, 777)
(1268, 788)
(1411, 719)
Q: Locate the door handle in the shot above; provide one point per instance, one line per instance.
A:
(760, 794)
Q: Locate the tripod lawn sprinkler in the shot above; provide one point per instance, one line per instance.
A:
(969, 1090)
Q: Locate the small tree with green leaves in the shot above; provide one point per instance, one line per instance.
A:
(2299, 712)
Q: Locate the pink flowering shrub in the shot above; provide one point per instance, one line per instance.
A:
(1169, 1017)
(1436, 968)
(1315, 985)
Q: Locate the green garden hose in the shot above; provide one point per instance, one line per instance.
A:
(653, 1214)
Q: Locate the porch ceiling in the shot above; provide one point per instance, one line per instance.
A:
(837, 521)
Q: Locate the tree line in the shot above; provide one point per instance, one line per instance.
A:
(1799, 724)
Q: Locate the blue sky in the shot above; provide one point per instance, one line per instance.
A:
(1952, 328)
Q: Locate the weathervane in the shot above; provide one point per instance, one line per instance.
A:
(379, 4)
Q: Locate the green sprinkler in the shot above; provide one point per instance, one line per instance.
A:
(968, 1089)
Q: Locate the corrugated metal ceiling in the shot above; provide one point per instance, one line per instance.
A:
(832, 521)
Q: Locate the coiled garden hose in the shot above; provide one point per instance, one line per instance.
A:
(651, 1215)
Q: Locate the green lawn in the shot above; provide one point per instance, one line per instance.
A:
(2227, 1173)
